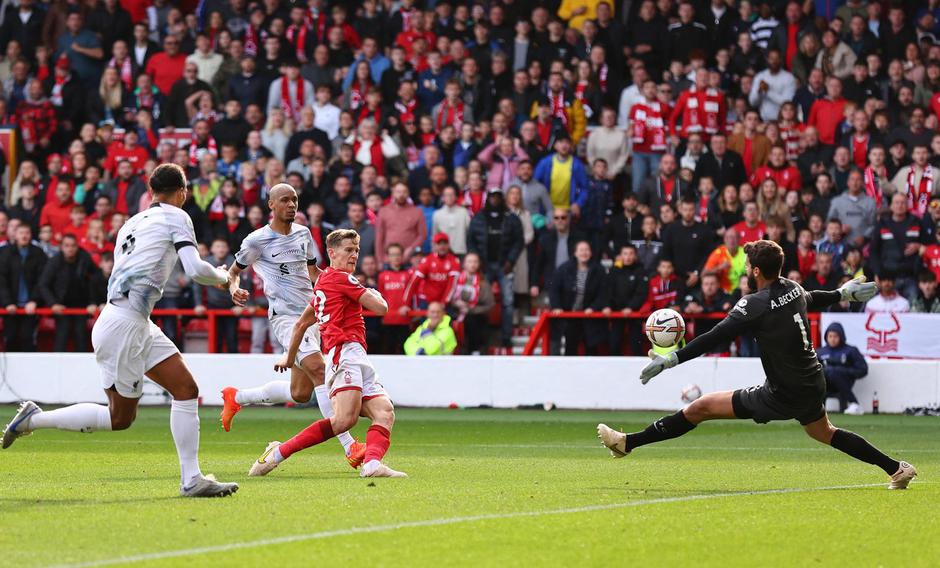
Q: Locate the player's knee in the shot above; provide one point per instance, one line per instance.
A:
(122, 421)
(186, 391)
(385, 418)
(343, 422)
(301, 394)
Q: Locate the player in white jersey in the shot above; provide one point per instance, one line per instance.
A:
(285, 255)
(128, 346)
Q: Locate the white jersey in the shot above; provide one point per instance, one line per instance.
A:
(281, 261)
(145, 254)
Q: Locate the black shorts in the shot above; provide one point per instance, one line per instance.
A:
(762, 405)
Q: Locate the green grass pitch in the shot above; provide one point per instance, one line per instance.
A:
(487, 487)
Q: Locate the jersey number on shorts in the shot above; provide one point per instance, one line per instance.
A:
(799, 322)
(321, 303)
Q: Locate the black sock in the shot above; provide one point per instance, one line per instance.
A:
(860, 449)
(665, 428)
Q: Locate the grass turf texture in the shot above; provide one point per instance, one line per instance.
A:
(75, 498)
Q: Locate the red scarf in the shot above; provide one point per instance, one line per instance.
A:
(251, 41)
(300, 41)
(375, 151)
(871, 184)
(196, 152)
(450, 115)
(317, 20)
(468, 285)
(702, 110)
(649, 128)
(357, 94)
(406, 16)
(918, 197)
(544, 131)
(124, 70)
(406, 111)
(602, 77)
(42, 72)
(292, 110)
(366, 112)
(56, 96)
(558, 107)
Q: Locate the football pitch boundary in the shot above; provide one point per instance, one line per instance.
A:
(146, 557)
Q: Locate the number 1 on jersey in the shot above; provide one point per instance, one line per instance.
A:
(322, 318)
(799, 322)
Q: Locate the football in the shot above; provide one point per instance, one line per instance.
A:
(691, 393)
(665, 328)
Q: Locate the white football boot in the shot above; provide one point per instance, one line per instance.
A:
(854, 409)
(16, 427)
(615, 441)
(207, 486)
(264, 464)
(903, 477)
(375, 468)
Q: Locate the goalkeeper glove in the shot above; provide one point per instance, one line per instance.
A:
(658, 364)
(857, 290)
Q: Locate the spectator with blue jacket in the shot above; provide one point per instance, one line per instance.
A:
(594, 205)
(843, 364)
(378, 63)
(562, 173)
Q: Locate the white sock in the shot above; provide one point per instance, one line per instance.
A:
(184, 424)
(270, 393)
(326, 409)
(276, 454)
(84, 417)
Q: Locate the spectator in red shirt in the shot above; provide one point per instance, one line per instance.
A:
(665, 289)
(37, 120)
(751, 228)
(94, 241)
(125, 189)
(167, 66)
(393, 283)
(826, 114)
(433, 279)
(77, 226)
(778, 169)
(127, 150)
(57, 212)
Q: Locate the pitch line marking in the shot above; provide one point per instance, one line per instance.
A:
(441, 522)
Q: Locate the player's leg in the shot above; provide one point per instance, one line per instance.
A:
(861, 449)
(380, 411)
(312, 370)
(84, 417)
(712, 406)
(174, 376)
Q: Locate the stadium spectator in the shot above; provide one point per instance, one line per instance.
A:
(495, 234)
(57, 212)
(709, 298)
(665, 288)
(724, 166)
(666, 188)
(687, 244)
(453, 220)
(750, 144)
(578, 285)
(218, 299)
(66, 282)
(772, 87)
(520, 271)
(471, 301)
(843, 364)
(400, 222)
(166, 67)
(726, 262)
(888, 299)
(433, 279)
(562, 173)
(535, 196)
(855, 210)
(628, 284)
(926, 300)
(392, 283)
(434, 336)
(916, 181)
(825, 275)
(21, 267)
(895, 246)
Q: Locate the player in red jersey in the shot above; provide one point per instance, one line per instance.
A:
(434, 278)
(338, 300)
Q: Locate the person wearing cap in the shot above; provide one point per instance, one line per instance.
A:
(432, 280)
(67, 95)
(562, 173)
(496, 236)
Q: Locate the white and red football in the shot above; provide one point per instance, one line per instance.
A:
(665, 328)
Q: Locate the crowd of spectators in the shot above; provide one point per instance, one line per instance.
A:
(497, 157)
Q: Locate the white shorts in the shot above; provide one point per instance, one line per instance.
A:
(127, 345)
(352, 372)
(283, 328)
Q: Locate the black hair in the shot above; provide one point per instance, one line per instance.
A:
(765, 255)
(167, 178)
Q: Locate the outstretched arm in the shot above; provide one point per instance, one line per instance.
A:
(855, 290)
(199, 270)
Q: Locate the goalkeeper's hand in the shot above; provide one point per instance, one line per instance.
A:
(658, 364)
(857, 290)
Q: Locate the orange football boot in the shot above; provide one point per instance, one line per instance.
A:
(357, 453)
(229, 407)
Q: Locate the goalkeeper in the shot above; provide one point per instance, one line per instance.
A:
(795, 388)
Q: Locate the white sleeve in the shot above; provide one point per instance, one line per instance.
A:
(199, 270)
(248, 253)
(313, 251)
(181, 229)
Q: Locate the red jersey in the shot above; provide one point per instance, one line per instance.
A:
(437, 275)
(932, 259)
(787, 176)
(663, 293)
(648, 127)
(749, 234)
(702, 111)
(137, 156)
(336, 299)
(393, 285)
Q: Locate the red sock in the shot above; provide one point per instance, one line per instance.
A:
(312, 435)
(377, 442)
